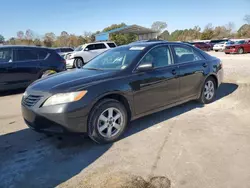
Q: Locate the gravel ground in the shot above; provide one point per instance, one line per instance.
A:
(189, 146)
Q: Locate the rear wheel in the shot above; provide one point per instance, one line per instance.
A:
(107, 121)
(78, 63)
(226, 53)
(216, 50)
(240, 50)
(208, 91)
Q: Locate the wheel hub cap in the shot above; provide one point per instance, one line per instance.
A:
(110, 122)
(209, 90)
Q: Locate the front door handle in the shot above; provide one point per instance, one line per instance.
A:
(174, 72)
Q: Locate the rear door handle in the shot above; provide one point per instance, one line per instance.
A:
(204, 65)
(174, 72)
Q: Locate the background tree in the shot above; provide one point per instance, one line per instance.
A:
(120, 39)
(29, 36)
(207, 33)
(37, 42)
(49, 39)
(20, 35)
(12, 41)
(247, 18)
(1, 39)
(159, 26)
(165, 35)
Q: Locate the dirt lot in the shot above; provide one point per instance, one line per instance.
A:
(194, 146)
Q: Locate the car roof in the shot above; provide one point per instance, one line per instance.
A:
(154, 43)
(23, 46)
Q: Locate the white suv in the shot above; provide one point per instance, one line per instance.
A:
(84, 53)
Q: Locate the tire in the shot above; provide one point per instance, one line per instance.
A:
(101, 127)
(78, 63)
(240, 50)
(226, 53)
(47, 73)
(216, 50)
(208, 93)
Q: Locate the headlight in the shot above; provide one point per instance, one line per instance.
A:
(64, 98)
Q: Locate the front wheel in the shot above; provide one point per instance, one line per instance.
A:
(240, 50)
(208, 91)
(107, 121)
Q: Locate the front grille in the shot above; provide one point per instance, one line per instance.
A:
(31, 100)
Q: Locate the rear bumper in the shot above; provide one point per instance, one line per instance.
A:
(56, 119)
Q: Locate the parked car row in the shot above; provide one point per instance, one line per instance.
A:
(225, 45)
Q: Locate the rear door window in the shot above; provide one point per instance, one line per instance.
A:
(26, 55)
(91, 47)
(185, 54)
(100, 46)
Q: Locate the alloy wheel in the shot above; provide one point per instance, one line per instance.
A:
(209, 90)
(110, 122)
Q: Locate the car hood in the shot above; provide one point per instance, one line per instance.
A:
(71, 80)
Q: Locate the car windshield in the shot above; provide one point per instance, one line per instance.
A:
(240, 42)
(115, 59)
(79, 48)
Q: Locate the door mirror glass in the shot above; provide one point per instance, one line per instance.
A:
(145, 66)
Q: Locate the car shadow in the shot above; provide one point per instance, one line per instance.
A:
(143, 123)
(30, 159)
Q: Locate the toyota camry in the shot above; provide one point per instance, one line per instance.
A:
(121, 85)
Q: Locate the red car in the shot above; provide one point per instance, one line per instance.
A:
(240, 47)
(201, 45)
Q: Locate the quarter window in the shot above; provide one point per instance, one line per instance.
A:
(186, 54)
(159, 57)
(111, 45)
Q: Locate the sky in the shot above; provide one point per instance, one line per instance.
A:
(77, 16)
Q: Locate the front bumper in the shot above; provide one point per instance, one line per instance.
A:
(63, 118)
(70, 63)
(220, 76)
(231, 50)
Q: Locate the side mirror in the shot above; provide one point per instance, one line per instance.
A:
(145, 67)
(86, 49)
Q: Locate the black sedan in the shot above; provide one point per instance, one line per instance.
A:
(121, 85)
(21, 65)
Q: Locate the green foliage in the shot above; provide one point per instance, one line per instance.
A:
(1, 39)
(244, 31)
(165, 35)
(120, 39)
(159, 26)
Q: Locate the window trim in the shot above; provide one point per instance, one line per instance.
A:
(160, 45)
(181, 45)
